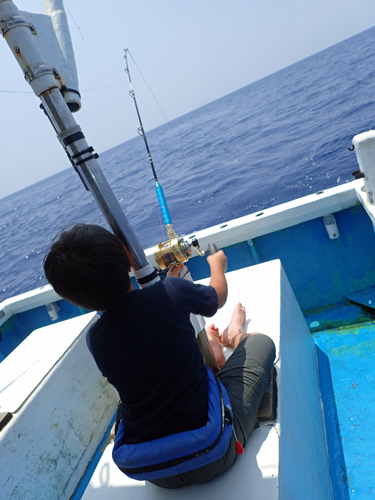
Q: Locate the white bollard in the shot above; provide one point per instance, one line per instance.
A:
(53, 310)
(364, 145)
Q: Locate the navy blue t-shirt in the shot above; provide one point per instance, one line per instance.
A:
(147, 349)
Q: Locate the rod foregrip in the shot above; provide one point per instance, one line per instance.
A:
(163, 204)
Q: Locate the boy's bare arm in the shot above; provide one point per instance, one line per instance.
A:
(218, 264)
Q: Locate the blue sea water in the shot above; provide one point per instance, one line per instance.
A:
(278, 139)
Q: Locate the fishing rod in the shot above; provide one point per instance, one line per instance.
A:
(175, 250)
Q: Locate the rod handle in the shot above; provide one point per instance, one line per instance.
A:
(163, 204)
(212, 248)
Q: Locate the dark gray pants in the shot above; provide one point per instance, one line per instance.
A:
(245, 377)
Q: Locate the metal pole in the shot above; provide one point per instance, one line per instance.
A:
(41, 77)
(84, 159)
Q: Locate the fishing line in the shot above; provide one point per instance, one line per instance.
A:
(16, 92)
(162, 227)
(71, 15)
(177, 136)
(159, 190)
(103, 88)
(149, 88)
(85, 90)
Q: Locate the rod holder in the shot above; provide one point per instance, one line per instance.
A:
(19, 36)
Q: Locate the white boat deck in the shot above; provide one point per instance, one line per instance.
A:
(285, 459)
(61, 406)
(27, 366)
(255, 476)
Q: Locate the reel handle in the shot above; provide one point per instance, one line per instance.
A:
(212, 248)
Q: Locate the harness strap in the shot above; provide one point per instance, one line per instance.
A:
(226, 417)
(180, 452)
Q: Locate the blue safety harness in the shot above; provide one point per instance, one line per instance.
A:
(181, 452)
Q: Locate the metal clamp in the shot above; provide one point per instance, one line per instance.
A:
(37, 70)
(16, 22)
(12, 22)
(84, 160)
(67, 132)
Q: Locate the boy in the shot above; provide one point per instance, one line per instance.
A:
(145, 345)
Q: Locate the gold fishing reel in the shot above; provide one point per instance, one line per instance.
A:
(175, 251)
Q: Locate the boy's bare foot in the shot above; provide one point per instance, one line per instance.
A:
(214, 340)
(234, 333)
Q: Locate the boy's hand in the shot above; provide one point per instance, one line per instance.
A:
(218, 259)
(174, 272)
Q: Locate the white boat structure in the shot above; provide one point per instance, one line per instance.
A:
(305, 270)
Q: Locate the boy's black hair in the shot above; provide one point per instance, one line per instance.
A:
(88, 266)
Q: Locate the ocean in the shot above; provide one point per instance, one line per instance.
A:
(278, 139)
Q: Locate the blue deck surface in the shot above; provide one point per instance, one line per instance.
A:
(351, 354)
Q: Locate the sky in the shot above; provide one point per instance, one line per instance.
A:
(189, 52)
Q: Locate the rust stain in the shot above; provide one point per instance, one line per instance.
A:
(50, 90)
(18, 54)
(57, 77)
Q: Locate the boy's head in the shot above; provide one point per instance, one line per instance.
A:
(88, 266)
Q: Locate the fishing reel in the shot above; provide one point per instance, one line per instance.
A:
(175, 251)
